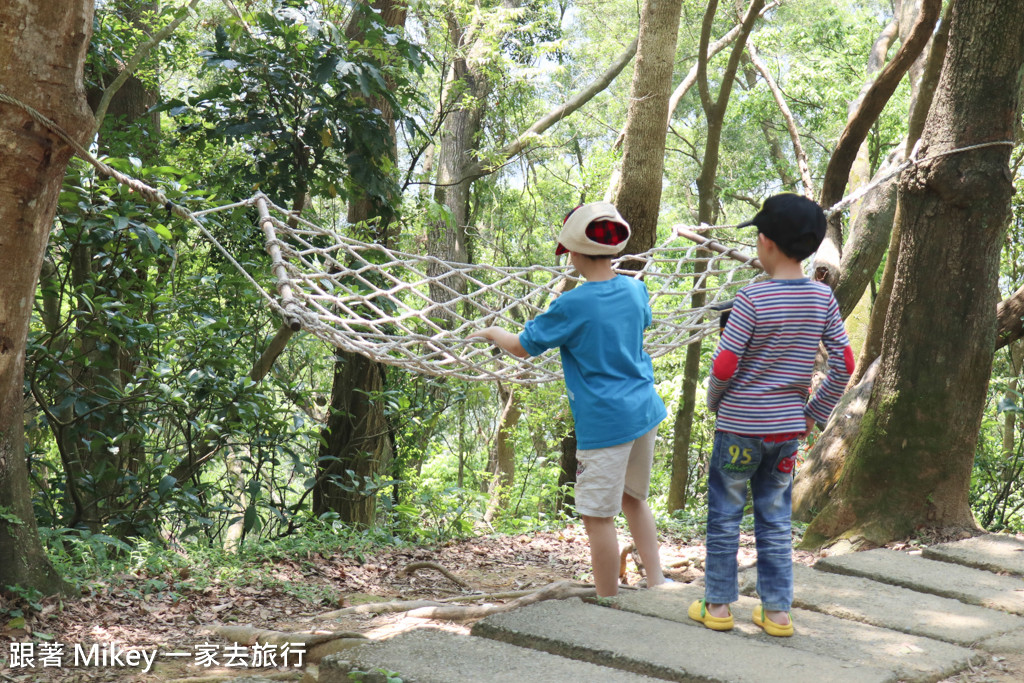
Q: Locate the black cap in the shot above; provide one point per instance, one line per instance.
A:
(794, 222)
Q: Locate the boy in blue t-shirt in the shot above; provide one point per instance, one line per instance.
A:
(759, 390)
(598, 328)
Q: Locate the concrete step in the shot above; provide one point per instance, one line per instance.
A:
(665, 649)
(966, 584)
(992, 552)
(864, 617)
(429, 655)
(892, 607)
(913, 658)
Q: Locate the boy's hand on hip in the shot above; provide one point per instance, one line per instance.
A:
(810, 426)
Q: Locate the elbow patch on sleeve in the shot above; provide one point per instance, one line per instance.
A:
(725, 364)
(849, 359)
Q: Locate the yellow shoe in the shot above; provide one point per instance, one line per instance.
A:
(770, 627)
(699, 612)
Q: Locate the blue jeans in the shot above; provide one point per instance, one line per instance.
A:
(735, 460)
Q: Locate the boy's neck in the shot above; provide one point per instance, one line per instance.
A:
(594, 270)
(787, 269)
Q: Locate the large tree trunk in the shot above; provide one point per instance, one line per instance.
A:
(911, 465)
(355, 440)
(42, 50)
(638, 195)
(870, 235)
(357, 437)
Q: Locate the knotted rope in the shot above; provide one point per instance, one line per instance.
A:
(365, 298)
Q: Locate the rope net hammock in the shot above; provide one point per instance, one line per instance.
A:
(415, 311)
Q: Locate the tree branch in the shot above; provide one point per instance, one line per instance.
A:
(1010, 314)
(874, 100)
(478, 169)
(794, 134)
(140, 54)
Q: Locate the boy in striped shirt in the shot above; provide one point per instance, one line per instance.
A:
(759, 389)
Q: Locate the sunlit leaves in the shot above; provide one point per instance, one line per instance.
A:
(302, 101)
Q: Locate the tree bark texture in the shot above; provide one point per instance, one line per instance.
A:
(910, 467)
(42, 54)
(1010, 314)
(356, 441)
(638, 195)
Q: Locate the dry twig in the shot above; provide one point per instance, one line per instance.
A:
(410, 569)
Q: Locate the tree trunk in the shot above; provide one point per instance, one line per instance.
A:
(714, 110)
(465, 96)
(567, 471)
(356, 448)
(870, 235)
(638, 195)
(911, 465)
(357, 437)
(502, 461)
(42, 50)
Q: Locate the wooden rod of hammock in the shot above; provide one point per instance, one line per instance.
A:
(277, 262)
(711, 245)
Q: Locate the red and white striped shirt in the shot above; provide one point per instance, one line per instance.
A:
(761, 371)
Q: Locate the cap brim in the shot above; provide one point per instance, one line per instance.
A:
(559, 250)
(745, 224)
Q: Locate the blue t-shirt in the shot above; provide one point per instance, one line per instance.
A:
(599, 330)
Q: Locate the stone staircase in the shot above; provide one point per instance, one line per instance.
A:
(863, 617)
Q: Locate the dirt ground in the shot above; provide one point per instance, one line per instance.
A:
(176, 626)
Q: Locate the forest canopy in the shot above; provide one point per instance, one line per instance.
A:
(463, 131)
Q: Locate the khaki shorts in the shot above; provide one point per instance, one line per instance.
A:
(604, 474)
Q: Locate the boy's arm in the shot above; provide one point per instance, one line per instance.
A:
(840, 368)
(735, 335)
(502, 339)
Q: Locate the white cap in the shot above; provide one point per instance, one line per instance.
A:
(595, 229)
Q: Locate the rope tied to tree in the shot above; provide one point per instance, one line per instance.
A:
(384, 304)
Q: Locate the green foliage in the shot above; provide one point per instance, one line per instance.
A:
(20, 603)
(7, 516)
(302, 99)
(144, 335)
(434, 516)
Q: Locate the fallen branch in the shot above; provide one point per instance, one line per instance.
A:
(411, 568)
(406, 605)
(228, 678)
(559, 590)
(317, 645)
(248, 635)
